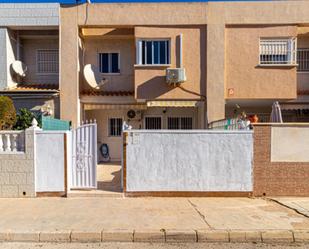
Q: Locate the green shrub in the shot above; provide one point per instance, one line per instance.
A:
(24, 119)
(7, 113)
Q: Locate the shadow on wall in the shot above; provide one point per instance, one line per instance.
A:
(153, 88)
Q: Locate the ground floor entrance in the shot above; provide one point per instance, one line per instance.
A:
(110, 120)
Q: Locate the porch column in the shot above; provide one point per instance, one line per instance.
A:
(215, 71)
(69, 67)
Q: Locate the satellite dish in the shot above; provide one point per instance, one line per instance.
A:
(19, 68)
(93, 76)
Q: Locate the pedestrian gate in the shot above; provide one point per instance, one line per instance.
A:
(84, 157)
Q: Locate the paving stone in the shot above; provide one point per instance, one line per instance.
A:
(3, 236)
(213, 236)
(253, 236)
(278, 236)
(86, 236)
(24, 236)
(117, 235)
(237, 236)
(55, 236)
(181, 236)
(149, 236)
(301, 236)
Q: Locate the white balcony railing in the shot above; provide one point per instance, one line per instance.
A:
(12, 141)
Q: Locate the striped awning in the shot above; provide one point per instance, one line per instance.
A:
(88, 107)
(287, 107)
(172, 103)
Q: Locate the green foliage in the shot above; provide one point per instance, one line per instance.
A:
(24, 119)
(7, 113)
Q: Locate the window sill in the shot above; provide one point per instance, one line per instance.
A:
(152, 66)
(110, 74)
(277, 65)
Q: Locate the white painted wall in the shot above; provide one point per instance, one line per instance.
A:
(189, 160)
(50, 161)
(290, 144)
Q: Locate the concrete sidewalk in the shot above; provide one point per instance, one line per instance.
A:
(150, 219)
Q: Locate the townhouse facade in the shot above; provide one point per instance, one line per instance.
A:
(235, 54)
(30, 33)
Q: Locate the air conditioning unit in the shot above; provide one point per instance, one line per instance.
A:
(134, 115)
(175, 75)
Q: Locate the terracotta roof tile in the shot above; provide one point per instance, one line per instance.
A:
(34, 87)
(106, 93)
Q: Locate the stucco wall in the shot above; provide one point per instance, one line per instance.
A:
(289, 144)
(126, 48)
(189, 161)
(29, 57)
(150, 82)
(243, 73)
(50, 161)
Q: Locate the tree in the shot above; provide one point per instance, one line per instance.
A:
(7, 113)
(24, 119)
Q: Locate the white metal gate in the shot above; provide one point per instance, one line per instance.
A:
(84, 157)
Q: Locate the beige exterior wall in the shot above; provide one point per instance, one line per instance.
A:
(123, 81)
(221, 47)
(150, 81)
(243, 73)
(29, 57)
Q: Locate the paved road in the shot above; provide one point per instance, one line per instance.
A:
(146, 246)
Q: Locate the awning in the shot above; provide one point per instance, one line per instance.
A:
(88, 107)
(287, 107)
(172, 103)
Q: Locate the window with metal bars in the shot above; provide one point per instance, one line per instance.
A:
(153, 123)
(179, 123)
(48, 61)
(109, 63)
(303, 59)
(153, 52)
(114, 127)
(278, 51)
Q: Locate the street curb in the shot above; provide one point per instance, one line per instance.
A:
(159, 236)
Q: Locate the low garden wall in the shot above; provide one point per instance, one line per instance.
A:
(281, 159)
(33, 162)
(199, 162)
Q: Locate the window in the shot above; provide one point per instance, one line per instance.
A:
(303, 60)
(109, 63)
(114, 127)
(278, 51)
(153, 52)
(48, 61)
(179, 123)
(153, 123)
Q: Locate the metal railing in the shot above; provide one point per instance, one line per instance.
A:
(303, 60)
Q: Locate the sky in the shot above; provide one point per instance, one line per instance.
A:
(107, 1)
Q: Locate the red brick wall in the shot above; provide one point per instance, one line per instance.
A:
(276, 178)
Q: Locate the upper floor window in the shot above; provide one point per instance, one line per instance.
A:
(303, 60)
(281, 51)
(153, 52)
(109, 63)
(48, 61)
